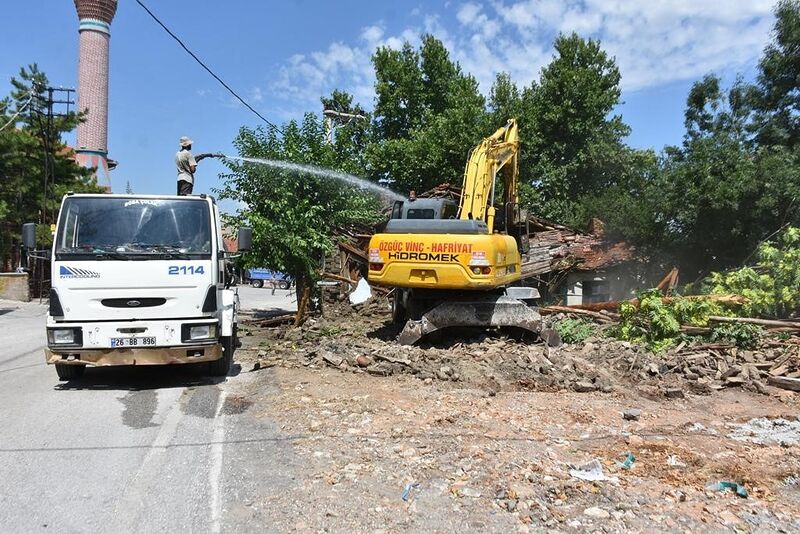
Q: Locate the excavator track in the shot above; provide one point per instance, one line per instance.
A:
(479, 311)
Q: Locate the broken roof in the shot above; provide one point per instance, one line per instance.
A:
(556, 247)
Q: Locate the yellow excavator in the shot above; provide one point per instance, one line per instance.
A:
(456, 265)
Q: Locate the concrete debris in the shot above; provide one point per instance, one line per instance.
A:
(631, 414)
(766, 431)
(500, 428)
(332, 359)
(596, 513)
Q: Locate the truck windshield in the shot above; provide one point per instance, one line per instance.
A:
(133, 228)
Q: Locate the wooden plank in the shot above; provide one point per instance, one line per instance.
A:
(332, 276)
(564, 309)
(353, 250)
(750, 320)
(792, 384)
(273, 320)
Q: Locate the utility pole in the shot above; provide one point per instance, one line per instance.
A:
(48, 104)
(51, 102)
(342, 118)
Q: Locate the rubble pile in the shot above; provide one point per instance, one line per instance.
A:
(361, 339)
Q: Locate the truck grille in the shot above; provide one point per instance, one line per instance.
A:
(146, 302)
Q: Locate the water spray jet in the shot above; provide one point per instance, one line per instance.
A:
(322, 172)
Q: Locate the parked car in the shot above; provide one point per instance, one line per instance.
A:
(259, 277)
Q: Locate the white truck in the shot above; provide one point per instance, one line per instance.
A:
(140, 280)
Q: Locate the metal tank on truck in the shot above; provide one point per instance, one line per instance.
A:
(140, 280)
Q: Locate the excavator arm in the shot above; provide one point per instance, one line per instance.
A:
(496, 154)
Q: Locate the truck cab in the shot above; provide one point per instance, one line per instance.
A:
(140, 280)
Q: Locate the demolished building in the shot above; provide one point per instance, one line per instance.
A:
(568, 266)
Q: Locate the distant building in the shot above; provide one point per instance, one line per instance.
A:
(582, 267)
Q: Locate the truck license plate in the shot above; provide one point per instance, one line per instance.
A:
(133, 341)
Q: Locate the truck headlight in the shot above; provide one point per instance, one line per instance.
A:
(64, 336)
(199, 332)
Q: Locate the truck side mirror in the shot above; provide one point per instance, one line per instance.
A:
(29, 235)
(245, 239)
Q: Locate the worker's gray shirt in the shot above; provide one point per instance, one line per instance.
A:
(184, 160)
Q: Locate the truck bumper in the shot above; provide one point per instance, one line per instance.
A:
(138, 356)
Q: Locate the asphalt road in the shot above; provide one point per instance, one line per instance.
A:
(128, 450)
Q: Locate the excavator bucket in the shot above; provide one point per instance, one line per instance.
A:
(481, 312)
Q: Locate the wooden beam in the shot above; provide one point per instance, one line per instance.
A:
(353, 250)
(783, 382)
(750, 320)
(332, 276)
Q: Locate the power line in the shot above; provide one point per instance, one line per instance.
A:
(19, 110)
(200, 62)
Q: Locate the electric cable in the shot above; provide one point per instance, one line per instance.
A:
(19, 110)
(200, 62)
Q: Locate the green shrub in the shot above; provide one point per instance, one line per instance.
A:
(574, 330)
(657, 323)
(743, 335)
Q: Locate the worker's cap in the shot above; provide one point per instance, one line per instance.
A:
(185, 141)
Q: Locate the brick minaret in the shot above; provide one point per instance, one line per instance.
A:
(95, 32)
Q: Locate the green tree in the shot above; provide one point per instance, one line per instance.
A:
(770, 285)
(293, 214)
(631, 206)
(28, 144)
(505, 101)
(736, 178)
(778, 95)
(398, 91)
(428, 115)
(710, 184)
(572, 143)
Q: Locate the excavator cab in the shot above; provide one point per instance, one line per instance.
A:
(425, 208)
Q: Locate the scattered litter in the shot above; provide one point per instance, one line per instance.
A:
(362, 292)
(765, 431)
(675, 461)
(628, 462)
(593, 472)
(724, 485)
(410, 487)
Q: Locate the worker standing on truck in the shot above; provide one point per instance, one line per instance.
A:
(187, 165)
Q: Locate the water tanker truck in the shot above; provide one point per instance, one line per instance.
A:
(139, 280)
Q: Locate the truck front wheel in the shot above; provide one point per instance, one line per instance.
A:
(257, 283)
(222, 366)
(69, 372)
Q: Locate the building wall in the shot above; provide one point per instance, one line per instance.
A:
(622, 284)
(14, 286)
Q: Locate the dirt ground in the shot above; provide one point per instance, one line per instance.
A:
(490, 434)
